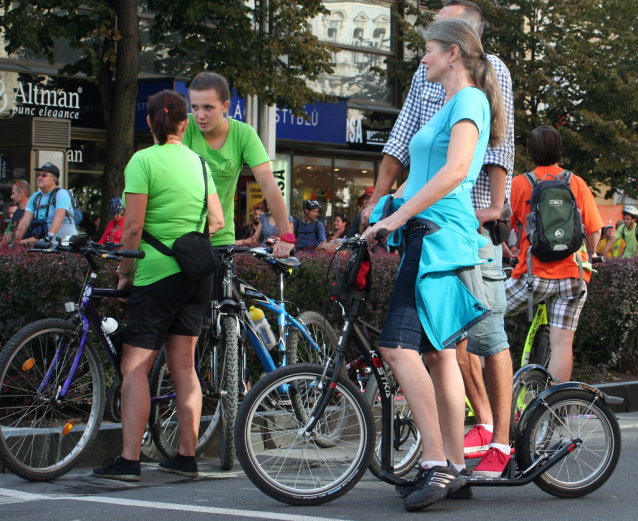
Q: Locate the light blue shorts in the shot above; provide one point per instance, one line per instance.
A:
(488, 337)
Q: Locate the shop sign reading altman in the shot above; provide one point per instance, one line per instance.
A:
(34, 100)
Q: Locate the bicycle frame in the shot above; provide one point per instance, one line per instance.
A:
(233, 305)
(88, 316)
(540, 319)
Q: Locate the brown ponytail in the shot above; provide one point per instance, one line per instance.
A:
(455, 31)
(167, 109)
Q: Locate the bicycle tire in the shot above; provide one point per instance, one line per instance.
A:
(51, 435)
(572, 413)
(292, 468)
(403, 463)
(113, 401)
(228, 383)
(163, 424)
(543, 348)
(525, 391)
(300, 350)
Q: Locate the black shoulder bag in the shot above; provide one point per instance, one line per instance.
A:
(192, 251)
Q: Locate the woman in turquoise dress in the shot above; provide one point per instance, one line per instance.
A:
(431, 307)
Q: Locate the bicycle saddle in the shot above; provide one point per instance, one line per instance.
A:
(290, 262)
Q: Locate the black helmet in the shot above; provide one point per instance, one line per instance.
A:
(311, 205)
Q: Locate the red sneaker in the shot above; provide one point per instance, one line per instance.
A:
(492, 464)
(477, 439)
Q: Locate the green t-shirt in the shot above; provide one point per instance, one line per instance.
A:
(242, 146)
(631, 242)
(172, 177)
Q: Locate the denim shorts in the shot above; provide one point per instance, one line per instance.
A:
(402, 326)
(488, 337)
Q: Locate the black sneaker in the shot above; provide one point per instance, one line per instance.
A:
(432, 485)
(462, 493)
(116, 469)
(183, 468)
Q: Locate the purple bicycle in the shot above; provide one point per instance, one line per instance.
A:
(52, 389)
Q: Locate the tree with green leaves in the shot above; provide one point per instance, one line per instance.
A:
(263, 48)
(573, 67)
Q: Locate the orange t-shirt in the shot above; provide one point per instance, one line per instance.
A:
(521, 195)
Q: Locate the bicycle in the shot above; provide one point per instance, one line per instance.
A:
(222, 355)
(52, 389)
(568, 441)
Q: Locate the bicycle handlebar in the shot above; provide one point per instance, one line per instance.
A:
(79, 244)
(132, 254)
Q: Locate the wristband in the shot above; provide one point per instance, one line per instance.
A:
(288, 237)
(127, 274)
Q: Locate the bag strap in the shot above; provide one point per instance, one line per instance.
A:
(566, 176)
(297, 223)
(317, 229)
(531, 178)
(159, 245)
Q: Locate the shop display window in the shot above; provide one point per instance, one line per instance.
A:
(335, 183)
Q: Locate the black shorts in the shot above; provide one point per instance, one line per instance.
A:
(170, 306)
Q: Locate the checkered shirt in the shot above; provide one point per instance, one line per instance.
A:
(425, 99)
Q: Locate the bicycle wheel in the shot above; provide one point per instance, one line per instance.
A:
(299, 348)
(285, 464)
(408, 435)
(114, 401)
(543, 348)
(571, 414)
(227, 378)
(526, 390)
(164, 427)
(44, 436)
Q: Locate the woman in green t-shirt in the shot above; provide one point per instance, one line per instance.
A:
(164, 195)
(227, 144)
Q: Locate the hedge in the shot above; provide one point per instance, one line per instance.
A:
(35, 286)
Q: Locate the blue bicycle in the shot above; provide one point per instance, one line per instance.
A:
(222, 350)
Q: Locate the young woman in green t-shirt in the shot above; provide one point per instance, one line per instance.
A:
(227, 144)
(164, 196)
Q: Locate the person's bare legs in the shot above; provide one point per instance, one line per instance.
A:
(136, 398)
(180, 357)
(450, 401)
(417, 387)
(498, 378)
(560, 364)
(470, 366)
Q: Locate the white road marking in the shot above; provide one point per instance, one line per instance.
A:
(26, 496)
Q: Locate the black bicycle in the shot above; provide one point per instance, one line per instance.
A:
(305, 434)
(222, 349)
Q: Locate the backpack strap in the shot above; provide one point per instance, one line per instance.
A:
(297, 224)
(531, 177)
(566, 176)
(317, 229)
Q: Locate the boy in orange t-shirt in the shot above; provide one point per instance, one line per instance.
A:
(557, 282)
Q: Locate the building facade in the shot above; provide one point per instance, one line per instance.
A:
(332, 156)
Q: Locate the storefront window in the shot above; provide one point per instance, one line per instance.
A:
(351, 178)
(336, 184)
(312, 180)
(86, 165)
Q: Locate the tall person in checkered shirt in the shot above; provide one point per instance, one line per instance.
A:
(492, 188)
